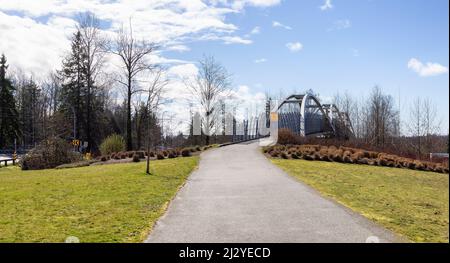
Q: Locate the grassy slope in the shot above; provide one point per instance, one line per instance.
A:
(412, 203)
(105, 203)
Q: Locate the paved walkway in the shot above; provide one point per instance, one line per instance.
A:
(237, 195)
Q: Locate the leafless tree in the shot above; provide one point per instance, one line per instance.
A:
(382, 117)
(423, 124)
(93, 45)
(415, 124)
(212, 84)
(133, 55)
(155, 93)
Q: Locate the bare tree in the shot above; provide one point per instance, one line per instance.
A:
(382, 117)
(210, 86)
(430, 123)
(154, 98)
(133, 55)
(416, 124)
(93, 45)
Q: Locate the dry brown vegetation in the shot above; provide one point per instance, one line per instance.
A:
(170, 153)
(351, 155)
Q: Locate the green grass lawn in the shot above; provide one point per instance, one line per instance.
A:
(105, 203)
(413, 204)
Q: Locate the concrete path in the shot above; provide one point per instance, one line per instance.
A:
(237, 195)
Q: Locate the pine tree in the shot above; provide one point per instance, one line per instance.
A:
(9, 123)
(73, 88)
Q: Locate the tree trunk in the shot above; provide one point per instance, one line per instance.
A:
(129, 135)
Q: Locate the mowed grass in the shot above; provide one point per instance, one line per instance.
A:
(105, 203)
(413, 204)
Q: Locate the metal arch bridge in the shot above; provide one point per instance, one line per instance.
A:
(305, 116)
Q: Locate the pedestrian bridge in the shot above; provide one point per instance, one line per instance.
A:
(304, 115)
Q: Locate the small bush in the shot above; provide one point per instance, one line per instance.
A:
(186, 152)
(285, 136)
(151, 154)
(160, 156)
(171, 155)
(363, 161)
(308, 157)
(284, 155)
(130, 154)
(104, 158)
(274, 153)
(136, 158)
(49, 153)
(141, 154)
(112, 143)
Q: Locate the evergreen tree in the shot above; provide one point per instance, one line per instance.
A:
(74, 88)
(9, 124)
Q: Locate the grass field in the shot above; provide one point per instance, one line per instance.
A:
(413, 204)
(105, 203)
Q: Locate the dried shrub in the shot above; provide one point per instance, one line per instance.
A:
(160, 156)
(136, 158)
(186, 152)
(286, 136)
(284, 155)
(49, 154)
(308, 157)
(141, 154)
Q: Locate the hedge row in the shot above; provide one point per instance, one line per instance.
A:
(350, 155)
(160, 155)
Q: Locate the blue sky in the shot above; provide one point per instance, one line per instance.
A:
(374, 49)
(348, 45)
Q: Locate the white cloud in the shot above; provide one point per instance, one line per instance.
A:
(178, 48)
(278, 24)
(426, 70)
(39, 31)
(295, 46)
(256, 30)
(326, 5)
(260, 60)
(340, 25)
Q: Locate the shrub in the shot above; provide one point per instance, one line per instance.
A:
(141, 154)
(160, 156)
(136, 158)
(285, 136)
(294, 156)
(308, 157)
(104, 158)
(151, 154)
(130, 154)
(186, 152)
(274, 153)
(284, 155)
(363, 161)
(171, 155)
(347, 159)
(49, 153)
(112, 143)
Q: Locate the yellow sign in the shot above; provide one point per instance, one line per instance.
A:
(273, 116)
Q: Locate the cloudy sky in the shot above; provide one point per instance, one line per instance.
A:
(276, 46)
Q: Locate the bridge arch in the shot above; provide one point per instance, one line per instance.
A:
(304, 115)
